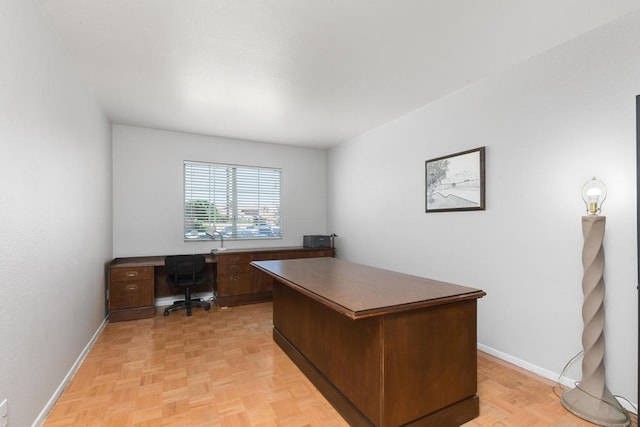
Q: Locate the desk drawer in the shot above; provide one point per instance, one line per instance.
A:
(223, 259)
(131, 273)
(234, 284)
(224, 269)
(131, 294)
(131, 314)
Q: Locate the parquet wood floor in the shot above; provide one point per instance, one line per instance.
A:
(221, 368)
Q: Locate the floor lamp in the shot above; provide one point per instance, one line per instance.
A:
(591, 399)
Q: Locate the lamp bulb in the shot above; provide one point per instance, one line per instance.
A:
(593, 193)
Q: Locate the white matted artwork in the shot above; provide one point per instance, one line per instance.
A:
(455, 182)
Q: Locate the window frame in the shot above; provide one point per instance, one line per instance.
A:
(235, 201)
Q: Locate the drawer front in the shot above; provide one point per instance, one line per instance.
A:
(130, 294)
(131, 314)
(131, 273)
(233, 259)
(233, 269)
(233, 284)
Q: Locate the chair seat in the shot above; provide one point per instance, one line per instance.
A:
(182, 282)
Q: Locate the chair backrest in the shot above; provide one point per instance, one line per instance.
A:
(182, 269)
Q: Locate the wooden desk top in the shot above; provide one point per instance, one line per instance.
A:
(359, 291)
(149, 261)
(158, 260)
(270, 249)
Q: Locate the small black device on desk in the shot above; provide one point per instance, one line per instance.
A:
(316, 241)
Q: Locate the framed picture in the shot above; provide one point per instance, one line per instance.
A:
(455, 182)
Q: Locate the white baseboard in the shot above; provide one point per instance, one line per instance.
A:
(553, 376)
(65, 381)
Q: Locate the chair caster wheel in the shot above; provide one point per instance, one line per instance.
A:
(166, 313)
(207, 307)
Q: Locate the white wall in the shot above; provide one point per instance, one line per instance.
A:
(55, 212)
(549, 124)
(148, 188)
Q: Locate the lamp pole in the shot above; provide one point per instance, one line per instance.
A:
(591, 399)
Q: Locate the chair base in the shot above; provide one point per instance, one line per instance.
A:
(194, 302)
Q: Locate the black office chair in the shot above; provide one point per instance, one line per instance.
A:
(186, 271)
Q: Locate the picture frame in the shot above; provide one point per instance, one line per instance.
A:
(456, 182)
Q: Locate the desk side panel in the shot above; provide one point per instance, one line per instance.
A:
(430, 362)
(347, 352)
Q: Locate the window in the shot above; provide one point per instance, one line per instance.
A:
(239, 202)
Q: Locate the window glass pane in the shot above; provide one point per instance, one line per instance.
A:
(239, 202)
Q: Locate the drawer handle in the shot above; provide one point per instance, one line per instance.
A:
(132, 273)
(235, 267)
(132, 287)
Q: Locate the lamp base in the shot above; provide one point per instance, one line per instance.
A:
(605, 411)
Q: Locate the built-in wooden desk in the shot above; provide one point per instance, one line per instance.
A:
(135, 282)
(386, 349)
(237, 283)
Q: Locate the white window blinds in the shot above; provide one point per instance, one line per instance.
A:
(240, 202)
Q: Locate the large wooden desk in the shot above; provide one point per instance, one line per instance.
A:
(386, 349)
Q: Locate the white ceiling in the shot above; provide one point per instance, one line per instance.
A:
(302, 72)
